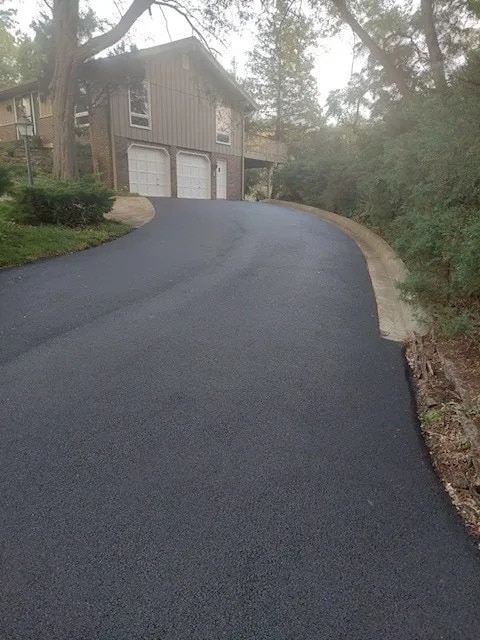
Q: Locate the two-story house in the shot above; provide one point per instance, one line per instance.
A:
(164, 121)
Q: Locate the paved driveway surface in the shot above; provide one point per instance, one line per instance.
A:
(203, 436)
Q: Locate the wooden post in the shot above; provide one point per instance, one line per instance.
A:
(29, 161)
(269, 181)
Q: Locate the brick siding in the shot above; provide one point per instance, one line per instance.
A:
(234, 176)
(8, 133)
(46, 131)
(234, 168)
(100, 137)
(121, 157)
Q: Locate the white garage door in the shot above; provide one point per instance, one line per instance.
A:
(149, 171)
(193, 175)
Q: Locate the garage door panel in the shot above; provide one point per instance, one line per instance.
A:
(193, 175)
(149, 171)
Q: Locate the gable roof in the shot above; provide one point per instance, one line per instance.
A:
(201, 54)
(18, 89)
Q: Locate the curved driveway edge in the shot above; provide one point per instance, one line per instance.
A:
(204, 436)
(396, 317)
(133, 210)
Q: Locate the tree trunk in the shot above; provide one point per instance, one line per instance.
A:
(92, 106)
(434, 52)
(65, 17)
(68, 58)
(279, 88)
(63, 104)
(394, 74)
(279, 103)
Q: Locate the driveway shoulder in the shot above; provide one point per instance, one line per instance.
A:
(133, 210)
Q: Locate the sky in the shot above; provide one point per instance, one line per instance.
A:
(333, 56)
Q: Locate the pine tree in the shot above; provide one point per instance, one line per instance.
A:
(280, 70)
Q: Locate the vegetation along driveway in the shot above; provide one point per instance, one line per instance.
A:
(204, 436)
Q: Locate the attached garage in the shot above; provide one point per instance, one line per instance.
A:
(149, 171)
(193, 175)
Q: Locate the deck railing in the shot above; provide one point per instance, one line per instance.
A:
(261, 147)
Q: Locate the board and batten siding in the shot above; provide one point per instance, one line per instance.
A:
(8, 132)
(182, 110)
(7, 115)
(7, 111)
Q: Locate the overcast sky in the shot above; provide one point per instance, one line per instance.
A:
(333, 57)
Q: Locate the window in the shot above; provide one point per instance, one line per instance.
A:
(185, 62)
(139, 104)
(224, 125)
(27, 107)
(82, 116)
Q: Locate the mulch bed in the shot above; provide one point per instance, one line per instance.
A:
(447, 376)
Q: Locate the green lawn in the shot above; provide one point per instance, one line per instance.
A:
(20, 243)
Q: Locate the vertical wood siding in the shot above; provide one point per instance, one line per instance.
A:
(46, 109)
(6, 116)
(182, 108)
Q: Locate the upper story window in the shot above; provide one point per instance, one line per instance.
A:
(224, 125)
(139, 104)
(82, 116)
(27, 107)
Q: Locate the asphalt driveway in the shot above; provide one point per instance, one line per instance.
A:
(204, 436)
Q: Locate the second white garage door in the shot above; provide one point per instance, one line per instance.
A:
(193, 175)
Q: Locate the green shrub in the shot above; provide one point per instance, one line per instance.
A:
(412, 175)
(73, 204)
(455, 322)
(7, 211)
(5, 179)
(83, 152)
(468, 261)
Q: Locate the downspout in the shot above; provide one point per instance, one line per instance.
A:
(243, 156)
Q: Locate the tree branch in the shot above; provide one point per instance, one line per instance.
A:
(421, 55)
(184, 15)
(394, 74)
(135, 10)
(436, 56)
(109, 38)
(189, 18)
(166, 23)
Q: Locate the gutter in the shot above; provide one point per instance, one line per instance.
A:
(243, 157)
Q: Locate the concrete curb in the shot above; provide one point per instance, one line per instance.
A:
(133, 210)
(396, 318)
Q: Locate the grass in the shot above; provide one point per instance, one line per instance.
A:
(21, 243)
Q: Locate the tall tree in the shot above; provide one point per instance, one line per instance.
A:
(281, 68)
(35, 55)
(8, 58)
(8, 45)
(393, 71)
(7, 14)
(408, 46)
(431, 37)
(70, 53)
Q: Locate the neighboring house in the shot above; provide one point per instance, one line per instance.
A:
(164, 121)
